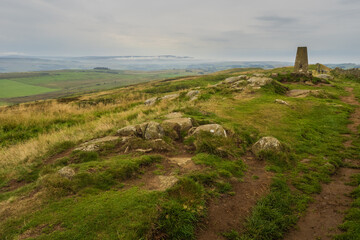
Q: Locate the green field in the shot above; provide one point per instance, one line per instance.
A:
(51, 84)
(10, 88)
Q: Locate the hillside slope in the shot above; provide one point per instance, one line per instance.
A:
(238, 154)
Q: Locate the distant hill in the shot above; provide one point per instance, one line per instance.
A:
(143, 63)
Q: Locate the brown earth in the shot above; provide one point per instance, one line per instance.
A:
(328, 209)
(230, 212)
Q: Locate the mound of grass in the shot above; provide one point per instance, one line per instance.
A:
(95, 175)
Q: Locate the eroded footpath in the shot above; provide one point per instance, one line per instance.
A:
(328, 209)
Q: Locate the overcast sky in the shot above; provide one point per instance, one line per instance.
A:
(211, 29)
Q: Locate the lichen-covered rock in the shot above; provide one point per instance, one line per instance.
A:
(214, 129)
(266, 144)
(153, 130)
(175, 126)
(259, 81)
(132, 130)
(193, 94)
(151, 101)
(67, 172)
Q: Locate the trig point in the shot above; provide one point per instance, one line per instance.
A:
(301, 61)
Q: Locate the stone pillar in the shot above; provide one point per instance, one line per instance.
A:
(301, 61)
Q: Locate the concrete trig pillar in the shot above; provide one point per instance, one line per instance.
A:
(301, 61)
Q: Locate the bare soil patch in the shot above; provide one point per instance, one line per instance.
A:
(164, 175)
(230, 212)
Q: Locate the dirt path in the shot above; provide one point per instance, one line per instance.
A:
(328, 209)
(229, 212)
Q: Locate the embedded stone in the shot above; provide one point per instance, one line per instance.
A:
(67, 172)
(214, 129)
(266, 144)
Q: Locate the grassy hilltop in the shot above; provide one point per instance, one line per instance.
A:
(67, 174)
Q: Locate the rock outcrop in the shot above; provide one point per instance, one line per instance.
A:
(175, 126)
(266, 144)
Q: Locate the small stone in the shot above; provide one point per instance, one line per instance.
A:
(67, 172)
(281, 102)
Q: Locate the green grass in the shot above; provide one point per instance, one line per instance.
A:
(11, 88)
(94, 203)
(113, 214)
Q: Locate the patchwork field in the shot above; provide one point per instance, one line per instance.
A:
(23, 87)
